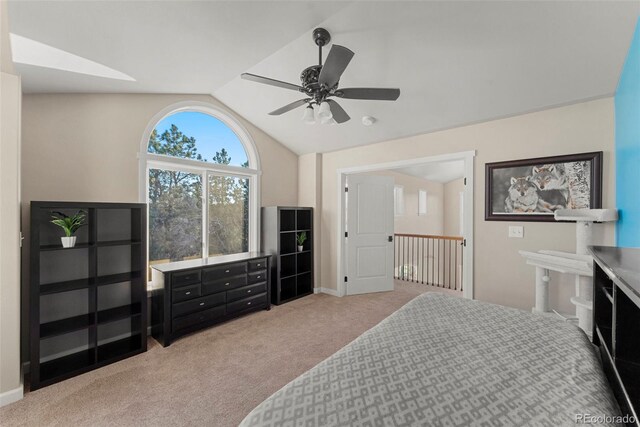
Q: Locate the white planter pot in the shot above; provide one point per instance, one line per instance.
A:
(300, 248)
(68, 242)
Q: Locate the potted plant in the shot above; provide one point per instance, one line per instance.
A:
(70, 224)
(301, 238)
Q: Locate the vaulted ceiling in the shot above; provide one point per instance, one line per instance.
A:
(455, 62)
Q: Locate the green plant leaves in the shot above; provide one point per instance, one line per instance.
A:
(301, 238)
(70, 224)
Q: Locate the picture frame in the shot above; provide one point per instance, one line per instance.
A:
(533, 189)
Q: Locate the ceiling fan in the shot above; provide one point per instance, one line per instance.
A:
(320, 82)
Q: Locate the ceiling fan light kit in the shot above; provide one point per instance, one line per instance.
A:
(320, 82)
(324, 112)
(309, 115)
(329, 121)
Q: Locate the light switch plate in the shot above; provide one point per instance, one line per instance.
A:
(516, 231)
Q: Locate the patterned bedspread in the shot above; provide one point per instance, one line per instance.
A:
(441, 361)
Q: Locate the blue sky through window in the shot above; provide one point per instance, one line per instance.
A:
(210, 133)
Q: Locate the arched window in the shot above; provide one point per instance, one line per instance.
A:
(198, 136)
(200, 180)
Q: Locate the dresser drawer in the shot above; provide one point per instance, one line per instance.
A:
(246, 291)
(257, 277)
(224, 271)
(257, 264)
(224, 284)
(185, 293)
(247, 303)
(198, 304)
(185, 278)
(199, 317)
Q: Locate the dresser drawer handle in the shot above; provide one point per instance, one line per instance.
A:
(226, 271)
(248, 291)
(259, 277)
(188, 293)
(259, 265)
(227, 284)
(249, 303)
(201, 303)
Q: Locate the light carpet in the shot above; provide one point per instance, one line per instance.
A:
(213, 377)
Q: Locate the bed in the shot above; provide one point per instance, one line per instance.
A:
(442, 360)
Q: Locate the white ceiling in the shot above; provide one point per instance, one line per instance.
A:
(455, 62)
(442, 172)
(166, 46)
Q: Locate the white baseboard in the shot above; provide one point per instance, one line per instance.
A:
(328, 291)
(11, 396)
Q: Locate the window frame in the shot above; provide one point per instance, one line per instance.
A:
(149, 161)
(398, 200)
(423, 202)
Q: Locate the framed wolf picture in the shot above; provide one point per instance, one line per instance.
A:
(533, 189)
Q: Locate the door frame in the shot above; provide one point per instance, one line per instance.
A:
(468, 211)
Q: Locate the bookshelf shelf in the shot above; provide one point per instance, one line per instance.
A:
(64, 326)
(69, 285)
(59, 247)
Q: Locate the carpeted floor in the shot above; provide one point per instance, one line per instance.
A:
(214, 377)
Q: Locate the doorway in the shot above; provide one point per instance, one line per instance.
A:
(449, 270)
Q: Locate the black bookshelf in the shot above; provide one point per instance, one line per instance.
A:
(292, 270)
(88, 304)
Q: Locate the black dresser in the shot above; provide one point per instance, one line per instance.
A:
(192, 295)
(616, 323)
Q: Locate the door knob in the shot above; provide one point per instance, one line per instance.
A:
(390, 238)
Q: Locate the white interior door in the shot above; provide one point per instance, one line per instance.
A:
(369, 238)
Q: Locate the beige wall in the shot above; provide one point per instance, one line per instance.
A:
(410, 222)
(85, 147)
(310, 194)
(10, 98)
(501, 275)
(452, 190)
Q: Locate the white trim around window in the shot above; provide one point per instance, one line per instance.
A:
(157, 161)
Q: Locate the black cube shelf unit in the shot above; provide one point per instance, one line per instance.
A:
(292, 270)
(88, 304)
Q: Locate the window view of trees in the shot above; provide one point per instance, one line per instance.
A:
(176, 203)
(228, 211)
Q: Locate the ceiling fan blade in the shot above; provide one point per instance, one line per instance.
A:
(337, 61)
(272, 82)
(339, 115)
(289, 107)
(369, 93)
